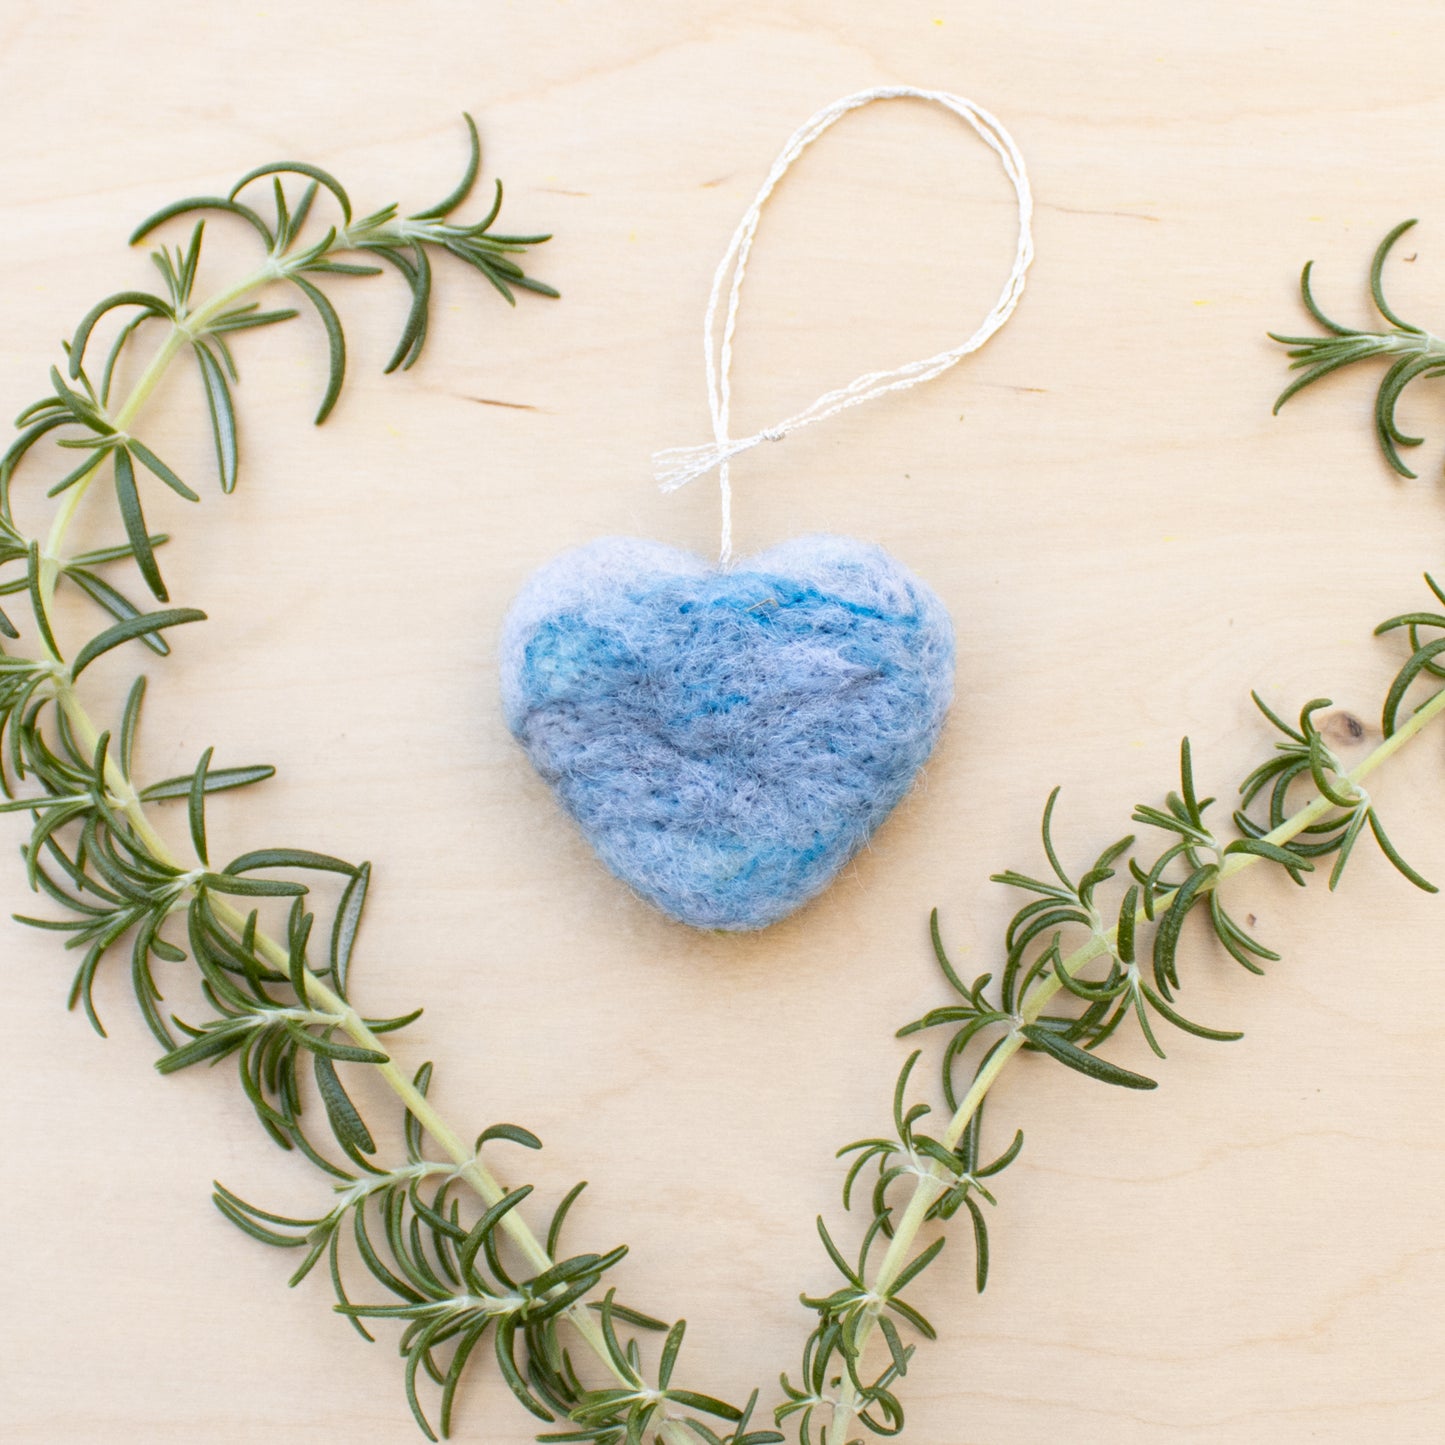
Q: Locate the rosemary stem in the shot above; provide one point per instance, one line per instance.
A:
(140, 393)
(930, 1184)
(469, 1166)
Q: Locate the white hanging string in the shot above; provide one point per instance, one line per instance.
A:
(677, 466)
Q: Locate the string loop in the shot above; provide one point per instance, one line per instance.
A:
(677, 466)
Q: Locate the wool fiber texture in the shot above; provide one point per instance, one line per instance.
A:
(727, 740)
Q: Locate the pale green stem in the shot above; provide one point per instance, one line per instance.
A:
(179, 336)
(1423, 343)
(470, 1166)
(936, 1179)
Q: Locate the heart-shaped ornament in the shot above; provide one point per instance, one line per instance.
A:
(727, 740)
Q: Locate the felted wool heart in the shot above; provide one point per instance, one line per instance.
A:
(727, 740)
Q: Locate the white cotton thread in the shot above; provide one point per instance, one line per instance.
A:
(677, 466)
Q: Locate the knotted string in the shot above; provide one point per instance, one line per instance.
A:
(677, 466)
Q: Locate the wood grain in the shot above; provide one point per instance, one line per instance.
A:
(1127, 540)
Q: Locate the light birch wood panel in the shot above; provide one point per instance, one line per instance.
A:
(1128, 542)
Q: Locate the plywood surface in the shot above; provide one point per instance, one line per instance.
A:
(1127, 540)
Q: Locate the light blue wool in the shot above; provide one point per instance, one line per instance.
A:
(727, 740)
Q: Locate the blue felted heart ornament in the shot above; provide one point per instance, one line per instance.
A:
(727, 740)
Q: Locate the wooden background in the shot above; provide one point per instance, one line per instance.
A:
(1127, 540)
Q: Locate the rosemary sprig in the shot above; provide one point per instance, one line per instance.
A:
(278, 1005)
(1412, 351)
(1062, 948)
